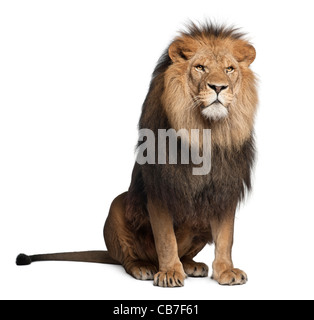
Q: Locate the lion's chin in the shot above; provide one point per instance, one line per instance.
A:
(215, 112)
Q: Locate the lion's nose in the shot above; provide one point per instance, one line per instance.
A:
(217, 88)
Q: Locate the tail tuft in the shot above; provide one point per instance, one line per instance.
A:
(23, 260)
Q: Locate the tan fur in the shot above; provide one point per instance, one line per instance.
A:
(171, 272)
(223, 270)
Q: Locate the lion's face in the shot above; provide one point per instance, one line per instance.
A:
(213, 82)
(212, 72)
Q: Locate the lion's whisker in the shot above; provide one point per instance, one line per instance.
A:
(194, 103)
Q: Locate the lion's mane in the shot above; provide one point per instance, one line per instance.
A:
(188, 197)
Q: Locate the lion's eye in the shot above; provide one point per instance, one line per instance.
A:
(229, 69)
(200, 68)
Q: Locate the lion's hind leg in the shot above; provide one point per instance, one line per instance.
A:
(189, 248)
(140, 270)
(194, 269)
(136, 254)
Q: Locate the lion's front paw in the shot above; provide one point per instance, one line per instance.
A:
(232, 277)
(169, 279)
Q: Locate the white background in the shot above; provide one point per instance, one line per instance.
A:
(73, 77)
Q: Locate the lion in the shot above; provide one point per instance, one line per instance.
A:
(155, 229)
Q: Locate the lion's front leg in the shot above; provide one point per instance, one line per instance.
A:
(171, 272)
(223, 269)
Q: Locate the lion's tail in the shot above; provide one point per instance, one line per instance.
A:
(82, 256)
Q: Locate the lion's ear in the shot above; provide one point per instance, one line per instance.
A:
(244, 52)
(182, 49)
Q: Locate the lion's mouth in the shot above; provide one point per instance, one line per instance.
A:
(217, 101)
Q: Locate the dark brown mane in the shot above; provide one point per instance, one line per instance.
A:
(209, 29)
